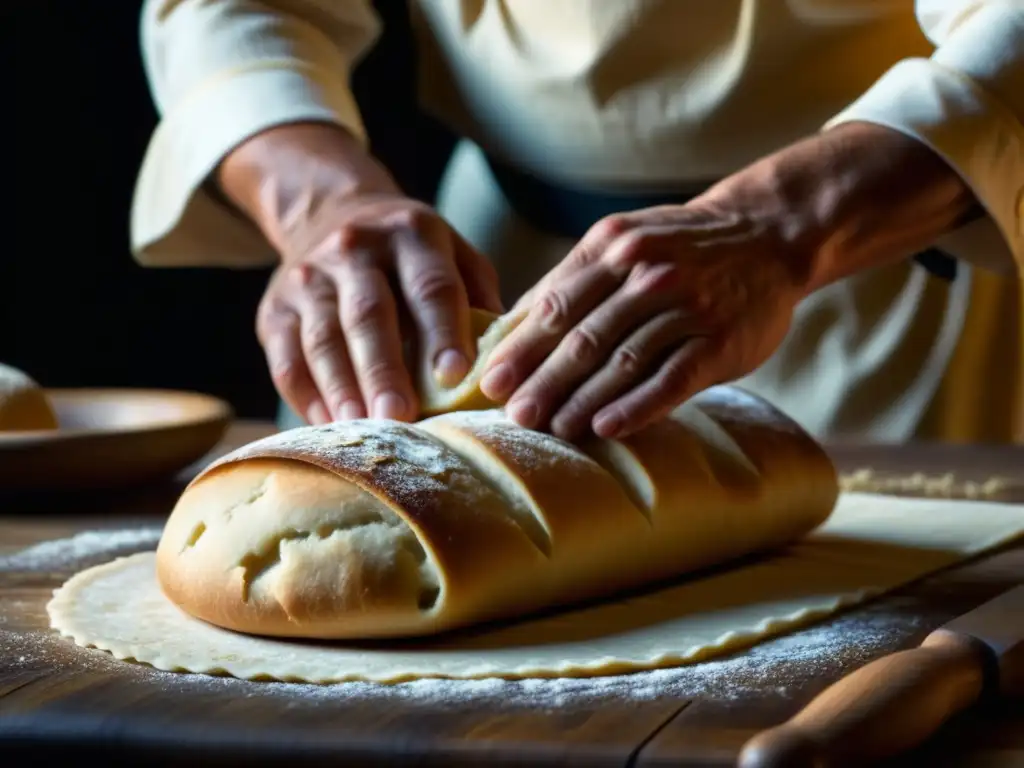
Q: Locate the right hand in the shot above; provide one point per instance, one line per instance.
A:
(360, 262)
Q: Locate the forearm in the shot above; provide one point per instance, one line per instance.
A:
(851, 198)
(965, 102)
(276, 175)
(222, 72)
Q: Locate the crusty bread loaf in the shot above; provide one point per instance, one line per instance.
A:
(23, 403)
(375, 528)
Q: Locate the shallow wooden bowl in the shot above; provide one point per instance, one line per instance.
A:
(111, 438)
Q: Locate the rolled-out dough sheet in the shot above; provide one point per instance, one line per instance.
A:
(871, 544)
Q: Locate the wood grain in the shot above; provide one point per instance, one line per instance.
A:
(61, 702)
(712, 733)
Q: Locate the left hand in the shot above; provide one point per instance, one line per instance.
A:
(650, 308)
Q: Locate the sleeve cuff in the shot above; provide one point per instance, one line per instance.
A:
(175, 222)
(979, 138)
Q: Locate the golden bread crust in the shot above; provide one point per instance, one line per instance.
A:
(373, 528)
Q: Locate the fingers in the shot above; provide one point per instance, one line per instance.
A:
(324, 348)
(558, 309)
(636, 357)
(585, 254)
(437, 300)
(369, 321)
(278, 328)
(696, 365)
(608, 254)
(331, 323)
(580, 354)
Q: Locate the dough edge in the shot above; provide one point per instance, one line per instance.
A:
(163, 658)
(955, 529)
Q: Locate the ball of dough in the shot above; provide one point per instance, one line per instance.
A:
(489, 329)
(23, 404)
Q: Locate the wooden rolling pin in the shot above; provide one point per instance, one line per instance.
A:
(898, 701)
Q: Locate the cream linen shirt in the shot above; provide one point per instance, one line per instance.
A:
(645, 94)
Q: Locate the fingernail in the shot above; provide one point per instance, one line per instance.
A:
(388, 405)
(317, 414)
(350, 410)
(450, 367)
(525, 414)
(498, 382)
(607, 425)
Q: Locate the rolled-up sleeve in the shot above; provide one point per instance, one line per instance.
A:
(966, 102)
(221, 71)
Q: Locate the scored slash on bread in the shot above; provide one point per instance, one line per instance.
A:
(374, 528)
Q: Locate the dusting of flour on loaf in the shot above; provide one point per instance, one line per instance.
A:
(530, 448)
(361, 441)
(401, 459)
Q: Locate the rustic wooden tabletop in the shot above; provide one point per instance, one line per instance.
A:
(58, 701)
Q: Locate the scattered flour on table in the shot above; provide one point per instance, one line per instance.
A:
(772, 667)
(82, 550)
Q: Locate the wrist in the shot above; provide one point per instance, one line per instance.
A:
(271, 174)
(853, 197)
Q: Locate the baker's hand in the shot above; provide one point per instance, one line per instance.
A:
(649, 308)
(362, 265)
(652, 307)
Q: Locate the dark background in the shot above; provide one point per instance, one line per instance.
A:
(75, 309)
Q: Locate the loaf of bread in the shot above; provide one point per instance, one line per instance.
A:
(23, 403)
(370, 528)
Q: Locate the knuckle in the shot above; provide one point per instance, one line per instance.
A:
(339, 393)
(633, 248)
(348, 236)
(582, 344)
(382, 375)
(303, 274)
(362, 311)
(611, 227)
(677, 376)
(273, 317)
(432, 287)
(413, 217)
(308, 281)
(286, 374)
(626, 360)
(653, 278)
(318, 338)
(553, 309)
(581, 256)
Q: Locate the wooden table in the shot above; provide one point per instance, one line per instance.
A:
(61, 702)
